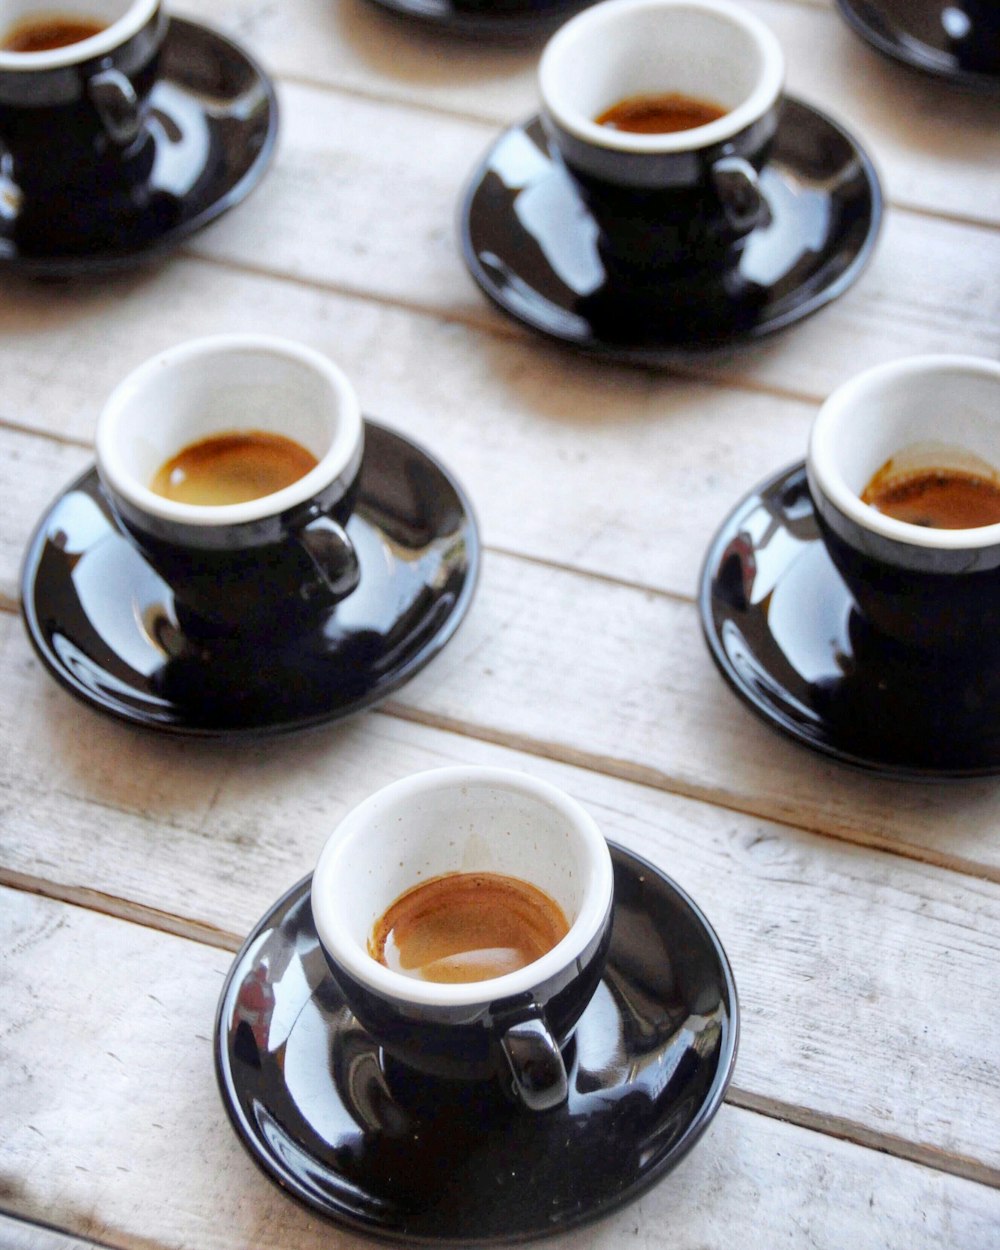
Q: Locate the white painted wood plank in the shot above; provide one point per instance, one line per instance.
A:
(21, 1235)
(860, 974)
(636, 469)
(151, 1159)
(938, 148)
(932, 284)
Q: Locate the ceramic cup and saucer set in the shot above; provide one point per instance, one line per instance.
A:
(641, 241)
(954, 41)
(162, 125)
(850, 599)
(519, 1099)
(498, 21)
(315, 593)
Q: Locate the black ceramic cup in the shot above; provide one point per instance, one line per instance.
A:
(265, 567)
(924, 587)
(509, 1029)
(73, 118)
(682, 201)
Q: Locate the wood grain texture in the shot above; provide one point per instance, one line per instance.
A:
(836, 949)
(936, 147)
(154, 1163)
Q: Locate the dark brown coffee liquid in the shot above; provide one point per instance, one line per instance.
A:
(43, 32)
(947, 499)
(660, 114)
(467, 926)
(232, 468)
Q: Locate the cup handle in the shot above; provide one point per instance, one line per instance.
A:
(738, 187)
(536, 1065)
(332, 553)
(117, 105)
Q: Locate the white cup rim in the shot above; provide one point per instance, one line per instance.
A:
(335, 934)
(765, 94)
(105, 41)
(337, 459)
(825, 473)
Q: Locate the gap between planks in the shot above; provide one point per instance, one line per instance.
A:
(654, 779)
(839, 1127)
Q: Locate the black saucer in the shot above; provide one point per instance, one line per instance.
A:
(531, 245)
(104, 623)
(214, 120)
(948, 40)
(511, 20)
(785, 632)
(388, 1153)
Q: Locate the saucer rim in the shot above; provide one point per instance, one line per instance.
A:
(629, 861)
(768, 712)
(680, 351)
(251, 732)
(467, 24)
(978, 81)
(66, 265)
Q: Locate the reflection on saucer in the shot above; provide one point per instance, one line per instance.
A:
(787, 636)
(212, 126)
(381, 1149)
(107, 628)
(958, 43)
(533, 248)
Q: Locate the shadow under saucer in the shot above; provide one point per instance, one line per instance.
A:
(374, 1146)
(107, 628)
(787, 636)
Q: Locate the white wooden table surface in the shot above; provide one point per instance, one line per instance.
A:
(862, 917)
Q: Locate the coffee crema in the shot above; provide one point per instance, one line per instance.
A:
(232, 468)
(660, 113)
(467, 926)
(45, 31)
(948, 499)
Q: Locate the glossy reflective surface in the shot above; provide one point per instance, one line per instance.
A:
(377, 1148)
(787, 636)
(958, 42)
(214, 120)
(105, 626)
(532, 247)
(507, 20)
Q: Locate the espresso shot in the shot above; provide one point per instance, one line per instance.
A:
(467, 926)
(660, 113)
(232, 468)
(52, 30)
(949, 499)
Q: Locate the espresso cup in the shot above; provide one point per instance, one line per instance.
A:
(922, 586)
(509, 1028)
(73, 117)
(682, 200)
(259, 568)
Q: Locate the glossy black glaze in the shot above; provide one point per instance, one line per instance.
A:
(920, 596)
(533, 249)
(463, 1042)
(212, 121)
(790, 640)
(105, 624)
(252, 578)
(668, 210)
(378, 1148)
(91, 155)
(508, 20)
(958, 41)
